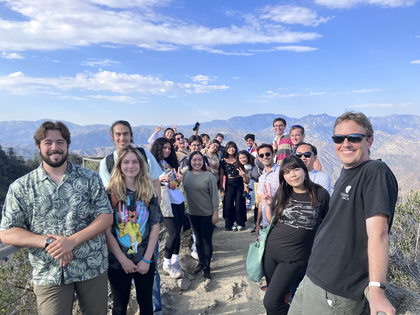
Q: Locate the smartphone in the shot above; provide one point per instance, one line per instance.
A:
(196, 126)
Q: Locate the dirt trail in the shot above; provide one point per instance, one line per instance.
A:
(230, 291)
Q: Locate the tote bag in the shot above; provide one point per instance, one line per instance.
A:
(165, 203)
(254, 261)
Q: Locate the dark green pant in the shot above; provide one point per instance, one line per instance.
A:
(311, 299)
(57, 299)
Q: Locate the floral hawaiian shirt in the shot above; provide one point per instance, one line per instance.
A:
(36, 203)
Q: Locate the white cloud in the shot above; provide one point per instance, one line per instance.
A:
(271, 94)
(67, 97)
(203, 79)
(352, 3)
(286, 48)
(415, 61)
(118, 98)
(12, 56)
(91, 62)
(366, 90)
(122, 83)
(219, 51)
(235, 78)
(381, 105)
(316, 93)
(78, 23)
(292, 15)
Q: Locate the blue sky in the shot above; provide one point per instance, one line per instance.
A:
(164, 62)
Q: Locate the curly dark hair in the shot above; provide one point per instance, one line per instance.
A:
(157, 151)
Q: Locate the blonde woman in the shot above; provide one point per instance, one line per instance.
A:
(134, 232)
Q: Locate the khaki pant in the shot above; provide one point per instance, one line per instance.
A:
(57, 299)
(311, 299)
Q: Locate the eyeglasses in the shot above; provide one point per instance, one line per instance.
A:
(178, 139)
(353, 138)
(267, 154)
(279, 126)
(306, 154)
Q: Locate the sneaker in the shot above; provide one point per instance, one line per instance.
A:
(194, 255)
(234, 228)
(174, 273)
(198, 269)
(264, 288)
(254, 229)
(177, 266)
(240, 228)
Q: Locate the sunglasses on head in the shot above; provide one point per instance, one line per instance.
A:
(267, 154)
(306, 154)
(353, 138)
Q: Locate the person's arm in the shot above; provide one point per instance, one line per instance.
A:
(142, 266)
(377, 230)
(115, 248)
(23, 238)
(196, 130)
(174, 128)
(214, 198)
(63, 245)
(221, 176)
(153, 137)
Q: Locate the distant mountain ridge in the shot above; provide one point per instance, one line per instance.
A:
(397, 139)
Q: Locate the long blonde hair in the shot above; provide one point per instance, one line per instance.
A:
(143, 182)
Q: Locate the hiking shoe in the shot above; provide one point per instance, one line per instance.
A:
(254, 229)
(194, 255)
(234, 228)
(177, 266)
(198, 269)
(174, 273)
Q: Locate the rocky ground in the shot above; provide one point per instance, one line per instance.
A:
(230, 291)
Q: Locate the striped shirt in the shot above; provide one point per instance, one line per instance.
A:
(284, 147)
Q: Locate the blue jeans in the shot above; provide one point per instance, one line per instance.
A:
(157, 301)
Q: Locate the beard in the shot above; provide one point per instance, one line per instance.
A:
(46, 158)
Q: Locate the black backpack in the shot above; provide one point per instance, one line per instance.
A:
(110, 159)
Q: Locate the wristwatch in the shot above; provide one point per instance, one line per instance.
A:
(377, 284)
(48, 241)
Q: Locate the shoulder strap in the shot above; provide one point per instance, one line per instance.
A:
(110, 162)
(143, 154)
(115, 201)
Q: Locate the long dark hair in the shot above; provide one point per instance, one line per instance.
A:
(249, 157)
(228, 145)
(157, 151)
(284, 191)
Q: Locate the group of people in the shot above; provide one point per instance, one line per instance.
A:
(66, 214)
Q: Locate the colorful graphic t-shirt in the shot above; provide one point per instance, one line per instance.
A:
(131, 227)
(175, 194)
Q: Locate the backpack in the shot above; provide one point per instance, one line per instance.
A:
(110, 159)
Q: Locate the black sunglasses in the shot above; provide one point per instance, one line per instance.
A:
(267, 154)
(353, 138)
(179, 138)
(306, 154)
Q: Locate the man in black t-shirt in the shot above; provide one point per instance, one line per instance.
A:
(350, 250)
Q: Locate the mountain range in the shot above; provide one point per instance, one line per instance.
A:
(396, 139)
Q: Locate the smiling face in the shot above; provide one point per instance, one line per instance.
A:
(220, 139)
(250, 143)
(352, 154)
(166, 150)
(295, 177)
(197, 162)
(53, 149)
(279, 127)
(267, 158)
(195, 146)
(122, 136)
(205, 140)
(309, 161)
(214, 147)
(130, 165)
(169, 134)
(180, 142)
(243, 159)
(231, 150)
(296, 136)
